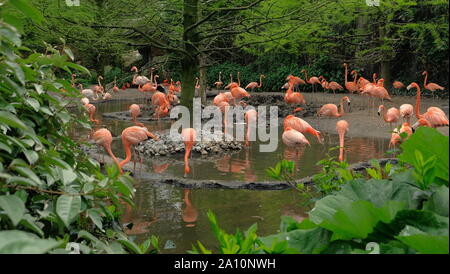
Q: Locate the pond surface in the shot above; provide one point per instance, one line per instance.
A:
(178, 217)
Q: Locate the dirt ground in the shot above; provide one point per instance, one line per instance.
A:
(363, 120)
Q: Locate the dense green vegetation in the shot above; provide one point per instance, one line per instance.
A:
(402, 210)
(53, 198)
(397, 39)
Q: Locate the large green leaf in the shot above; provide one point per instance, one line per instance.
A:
(19, 242)
(422, 242)
(68, 207)
(11, 120)
(304, 240)
(352, 219)
(30, 11)
(429, 142)
(438, 201)
(380, 191)
(13, 207)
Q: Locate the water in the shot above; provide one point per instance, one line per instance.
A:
(161, 209)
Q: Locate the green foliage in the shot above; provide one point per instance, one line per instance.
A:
(427, 151)
(51, 193)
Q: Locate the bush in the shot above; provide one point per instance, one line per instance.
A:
(53, 197)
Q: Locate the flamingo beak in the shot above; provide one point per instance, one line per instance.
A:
(416, 125)
(409, 87)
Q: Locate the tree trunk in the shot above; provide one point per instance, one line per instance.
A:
(385, 66)
(189, 62)
(203, 80)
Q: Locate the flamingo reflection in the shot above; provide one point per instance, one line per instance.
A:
(190, 213)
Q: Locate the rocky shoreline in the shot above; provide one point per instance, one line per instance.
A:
(167, 145)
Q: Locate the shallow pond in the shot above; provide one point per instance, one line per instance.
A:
(161, 209)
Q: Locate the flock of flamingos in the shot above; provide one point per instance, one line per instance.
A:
(294, 127)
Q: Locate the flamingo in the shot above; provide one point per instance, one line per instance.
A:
(398, 85)
(421, 122)
(219, 83)
(331, 85)
(188, 135)
(352, 87)
(250, 118)
(313, 80)
(115, 88)
(84, 101)
(223, 106)
(103, 137)
(406, 111)
(161, 104)
(293, 138)
(331, 110)
(341, 128)
(294, 81)
(434, 115)
(99, 88)
(430, 86)
(89, 93)
(135, 110)
(253, 85)
(237, 92)
(139, 80)
(197, 87)
(294, 98)
(390, 116)
(301, 126)
(396, 138)
(132, 136)
(91, 110)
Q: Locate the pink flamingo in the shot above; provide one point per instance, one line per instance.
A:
(301, 126)
(395, 137)
(390, 116)
(331, 110)
(91, 110)
(253, 85)
(430, 86)
(103, 137)
(293, 138)
(219, 83)
(135, 111)
(406, 111)
(188, 135)
(313, 80)
(341, 128)
(294, 98)
(352, 87)
(132, 136)
(434, 115)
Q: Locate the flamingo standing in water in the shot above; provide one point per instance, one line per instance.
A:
(237, 92)
(103, 137)
(219, 83)
(253, 85)
(313, 80)
(98, 89)
(188, 135)
(352, 87)
(301, 126)
(135, 110)
(89, 93)
(406, 112)
(293, 138)
(91, 110)
(341, 128)
(430, 86)
(331, 110)
(390, 116)
(132, 136)
(434, 115)
(250, 119)
(137, 79)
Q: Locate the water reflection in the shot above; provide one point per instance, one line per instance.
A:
(190, 213)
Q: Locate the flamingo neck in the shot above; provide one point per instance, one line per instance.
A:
(127, 153)
(346, 71)
(374, 79)
(108, 149)
(425, 81)
(341, 109)
(418, 103)
(260, 81)
(306, 76)
(354, 78)
(314, 132)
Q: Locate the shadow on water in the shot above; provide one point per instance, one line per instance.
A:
(178, 216)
